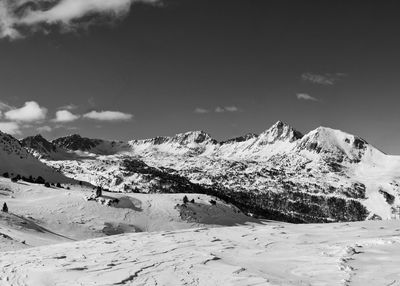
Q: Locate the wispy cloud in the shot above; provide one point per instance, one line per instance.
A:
(68, 107)
(323, 79)
(108, 115)
(201, 110)
(232, 108)
(305, 96)
(65, 116)
(4, 106)
(217, 109)
(21, 15)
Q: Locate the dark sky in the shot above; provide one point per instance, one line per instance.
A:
(161, 63)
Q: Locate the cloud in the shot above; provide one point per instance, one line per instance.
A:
(30, 112)
(231, 108)
(218, 109)
(108, 116)
(11, 128)
(323, 79)
(44, 129)
(226, 109)
(305, 96)
(19, 15)
(4, 106)
(68, 107)
(65, 116)
(201, 110)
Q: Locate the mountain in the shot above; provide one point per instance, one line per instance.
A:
(279, 138)
(16, 160)
(39, 144)
(193, 142)
(324, 175)
(76, 142)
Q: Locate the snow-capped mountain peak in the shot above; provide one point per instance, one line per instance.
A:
(280, 131)
(194, 137)
(332, 142)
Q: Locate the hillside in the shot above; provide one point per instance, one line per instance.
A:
(16, 160)
(39, 215)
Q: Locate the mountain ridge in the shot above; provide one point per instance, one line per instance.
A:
(323, 175)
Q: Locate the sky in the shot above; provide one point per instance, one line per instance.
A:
(128, 69)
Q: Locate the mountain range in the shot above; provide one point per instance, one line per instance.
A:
(323, 176)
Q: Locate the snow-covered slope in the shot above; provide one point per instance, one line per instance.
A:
(190, 143)
(40, 215)
(324, 175)
(366, 253)
(16, 160)
(280, 138)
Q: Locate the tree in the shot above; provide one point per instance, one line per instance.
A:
(15, 179)
(185, 200)
(40, 180)
(5, 208)
(59, 185)
(47, 185)
(99, 192)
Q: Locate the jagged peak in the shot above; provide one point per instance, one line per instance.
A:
(280, 131)
(198, 136)
(37, 137)
(76, 142)
(243, 138)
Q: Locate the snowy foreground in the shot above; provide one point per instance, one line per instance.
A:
(366, 253)
(55, 236)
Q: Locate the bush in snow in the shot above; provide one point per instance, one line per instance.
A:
(213, 202)
(185, 200)
(59, 185)
(47, 185)
(6, 175)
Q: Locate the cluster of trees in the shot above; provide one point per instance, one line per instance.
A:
(39, 180)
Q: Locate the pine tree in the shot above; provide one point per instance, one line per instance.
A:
(5, 208)
(99, 192)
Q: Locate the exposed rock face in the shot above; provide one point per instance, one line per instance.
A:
(239, 139)
(76, 142)
(39, 144)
